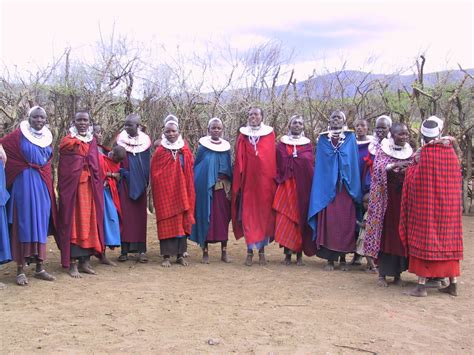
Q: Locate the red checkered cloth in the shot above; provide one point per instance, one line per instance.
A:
(430, 220)
(173, 192)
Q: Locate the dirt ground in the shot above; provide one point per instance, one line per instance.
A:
(226, 308)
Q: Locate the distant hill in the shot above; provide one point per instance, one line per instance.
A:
(351, 79)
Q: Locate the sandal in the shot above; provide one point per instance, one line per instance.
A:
(122, 257)
(21, 280)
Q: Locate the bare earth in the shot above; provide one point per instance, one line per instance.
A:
(231, 308)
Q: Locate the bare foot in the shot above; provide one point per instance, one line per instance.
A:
(299, 261)
(371, 270)
(419, 291)
(106, 261)
(224, 257)
(182, 261)
(432, 283)
(43, 275)
(329, 266)
(452, 289)
(21, 280)
(205, 258)
(142, 258)
(248, 260)
(398, 282)
(287, 260)
(74, 272)
(343, 266)
(166, 263)
(86, 268)
(261, 259)
(382, 282)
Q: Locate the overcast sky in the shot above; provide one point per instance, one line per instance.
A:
(382, 36)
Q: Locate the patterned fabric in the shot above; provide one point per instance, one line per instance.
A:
(172, 185)
(377, 204)
(431, 214)
(287, 231)
(294, 176)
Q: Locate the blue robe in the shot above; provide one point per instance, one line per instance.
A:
(5, 250)
(208, 165)
(333, 167)
(29, 196)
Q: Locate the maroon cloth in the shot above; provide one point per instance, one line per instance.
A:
(336, 224)
(134, 213)
(390, 242)
(71, 163)
(220, 218)
(431, 213)
(302, 169)
(16, 163)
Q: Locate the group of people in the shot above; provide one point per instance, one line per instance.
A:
(368, 195)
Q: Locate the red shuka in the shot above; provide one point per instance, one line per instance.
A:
(431, 216)
(253, 189)
(173, 192)
(74, 155)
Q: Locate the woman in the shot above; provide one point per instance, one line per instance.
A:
(363, 141)
(172, 185)
(295, 167)
(81, 198)
(212, 176)
(32, 205)
(254, 186)
(432, 231)
(335, 190)
(382, 239)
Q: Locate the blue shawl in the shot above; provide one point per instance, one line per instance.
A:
(138, 173)
(333, 166)
(208, 165)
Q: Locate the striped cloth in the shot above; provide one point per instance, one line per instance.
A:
(172, 186)
(431, 216)
(287, 226)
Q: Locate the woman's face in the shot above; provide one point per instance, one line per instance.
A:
(296, 126)
(400, 135)
(171, 132)
(215, 130)
(255, 117)
(37, 119)
(81, 122)
(361, 128)
(382, 128)
(131, 127)
(336, 122)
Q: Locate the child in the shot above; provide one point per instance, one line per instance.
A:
(360, 241)
(110, 168)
